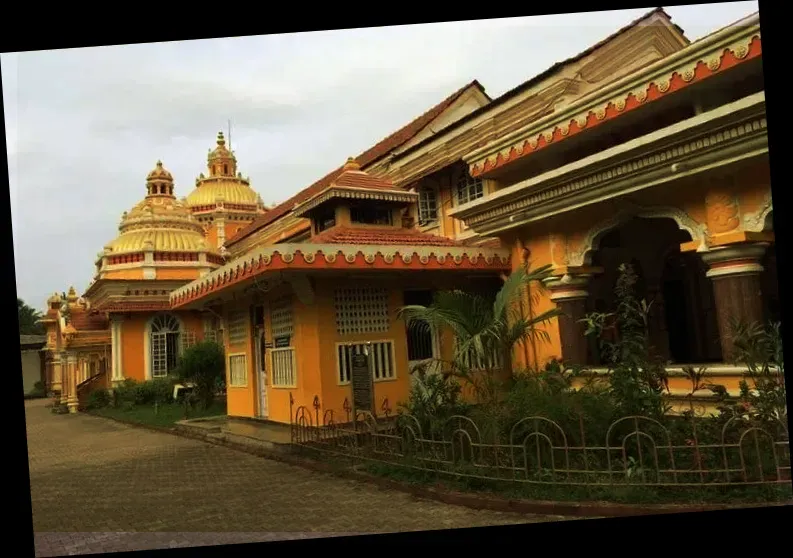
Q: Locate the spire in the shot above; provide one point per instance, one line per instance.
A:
(221, 161)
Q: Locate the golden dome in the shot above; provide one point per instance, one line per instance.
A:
(230, 191)
(224, 183)
(159, 222)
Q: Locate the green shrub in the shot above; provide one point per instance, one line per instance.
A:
(434, 398)
(98, 399)
(203, 364)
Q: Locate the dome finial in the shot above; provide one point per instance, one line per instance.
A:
(351, 164)
(221, 139)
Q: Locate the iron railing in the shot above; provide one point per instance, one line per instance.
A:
(536, 450)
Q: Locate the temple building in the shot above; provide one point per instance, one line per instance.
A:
(646, 149)
(121, 327)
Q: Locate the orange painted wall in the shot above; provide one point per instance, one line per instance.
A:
(175, 273)
(133, 340)
(241, 400)
(396, 390)
(133, 350)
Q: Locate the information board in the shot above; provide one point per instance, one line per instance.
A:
(361, 376)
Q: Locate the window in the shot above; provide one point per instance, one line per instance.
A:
(419, 334)
(370, 215)
(238, 370)
(361, 310)
(225, 169)
(325, 219)
(382, 360)
(283, 366)
(428, 206)
(165, 333)
(469, 189)
(238, 327)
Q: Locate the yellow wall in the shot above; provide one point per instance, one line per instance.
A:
(133, 341)
(241, 400)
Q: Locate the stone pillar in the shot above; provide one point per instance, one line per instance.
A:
(56, 372)
(72, 370)
(735, 272)
(116, 362)
(63, 366)
(569, 293)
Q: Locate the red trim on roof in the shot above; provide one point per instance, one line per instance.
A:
(379, 150)
(385, 236)
(676, 83)
(136, 306)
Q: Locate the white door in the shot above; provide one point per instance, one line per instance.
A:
(261, 371)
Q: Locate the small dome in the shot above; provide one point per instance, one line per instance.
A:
(160, 173)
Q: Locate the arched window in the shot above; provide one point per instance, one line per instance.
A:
(225, 169)
(165, 332)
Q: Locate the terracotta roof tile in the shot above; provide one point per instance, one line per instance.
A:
(88, 320)
(351, 235)
(358, 179)
(136, 306)
(368, 157)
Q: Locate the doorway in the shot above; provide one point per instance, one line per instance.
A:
(259, 347)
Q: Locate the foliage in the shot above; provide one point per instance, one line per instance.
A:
(28, 319)
(637, 375)
(763, 396)
(38, 391)
(204, 365)
(131, 393)
(433, 398)
(486, 329)
(98, 399)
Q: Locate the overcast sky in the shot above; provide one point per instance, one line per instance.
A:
(85, 126)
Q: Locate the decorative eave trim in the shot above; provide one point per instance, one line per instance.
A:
(347, 192)
(718, 52)
(308, 257)
(725, 146)
(730, 133)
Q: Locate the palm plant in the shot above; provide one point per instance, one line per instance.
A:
(485, 330)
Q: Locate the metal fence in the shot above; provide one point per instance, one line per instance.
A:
(536, 450)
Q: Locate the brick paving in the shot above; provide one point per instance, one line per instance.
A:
(100, 486)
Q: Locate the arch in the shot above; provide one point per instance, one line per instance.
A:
(591, 242)
(162, 330)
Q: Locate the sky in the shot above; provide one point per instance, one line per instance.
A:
(85, 126)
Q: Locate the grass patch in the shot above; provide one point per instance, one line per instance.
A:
(165, 415)
(593, 493)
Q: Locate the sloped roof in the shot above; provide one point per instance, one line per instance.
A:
(382, 148)
(28, 340)
(83, 320)
(544, 75)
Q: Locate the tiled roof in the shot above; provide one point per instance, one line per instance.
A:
(359, 179)
(408, 237)
(32, 339)
(83, 320)
(382, 148)
(136, 306)
(542, 76)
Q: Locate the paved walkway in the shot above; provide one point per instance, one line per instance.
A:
(99, 486)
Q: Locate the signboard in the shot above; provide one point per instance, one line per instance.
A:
(361, 380)
(268, 345)
(283, 341)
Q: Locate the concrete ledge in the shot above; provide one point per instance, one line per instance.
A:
(281, 453)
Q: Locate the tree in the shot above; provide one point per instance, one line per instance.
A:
(28, 320)
(486, 329)
(203, 364)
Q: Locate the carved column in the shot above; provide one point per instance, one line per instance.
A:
(72, 368)
(116, 369)
(735, 272)
(569, 293)
(56, 372)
